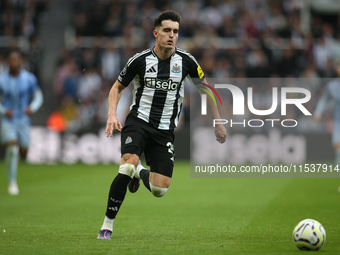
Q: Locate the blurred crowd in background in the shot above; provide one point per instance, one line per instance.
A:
(230, 39)
(19, 30)
(21, 17)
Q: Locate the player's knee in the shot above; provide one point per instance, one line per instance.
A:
(13, 149)
(23, 152)
(11, 143)
(158, 192)
(129, 158)
(127, 169)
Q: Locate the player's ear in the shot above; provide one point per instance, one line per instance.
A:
(155, 32)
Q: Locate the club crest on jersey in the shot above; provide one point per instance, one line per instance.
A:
(128, 140)
(176, 69)
(155, 83)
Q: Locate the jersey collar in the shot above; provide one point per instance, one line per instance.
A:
(153, 53)
(15, 77)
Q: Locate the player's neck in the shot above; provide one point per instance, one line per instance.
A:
(14, 72)
(163, 53)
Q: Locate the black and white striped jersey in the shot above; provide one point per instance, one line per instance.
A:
(159, 85)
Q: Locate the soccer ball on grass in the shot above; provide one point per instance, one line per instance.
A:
(309, 235)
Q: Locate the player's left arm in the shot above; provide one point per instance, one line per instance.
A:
(220, 131)
(36, 103)
(37, 98)
(196, 72)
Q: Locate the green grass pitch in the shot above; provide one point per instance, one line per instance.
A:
(60, 210)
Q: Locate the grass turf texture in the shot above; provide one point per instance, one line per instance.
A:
(60, 210)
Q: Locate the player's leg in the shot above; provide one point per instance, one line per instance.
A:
(118, 187)
(11, 162)
(159, 154)
(135, 182)
(23, 152)
(132, 143)
(117, 193)
(138, 177)
(23, 133)
(153, 180)
(9, 139)
(160, 182)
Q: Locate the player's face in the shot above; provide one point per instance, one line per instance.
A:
(14, 61)
(338, 69)
(167, 34)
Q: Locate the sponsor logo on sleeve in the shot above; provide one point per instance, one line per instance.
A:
(123, 72)
(200, 72)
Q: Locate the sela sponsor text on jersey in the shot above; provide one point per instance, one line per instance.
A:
(161, 84)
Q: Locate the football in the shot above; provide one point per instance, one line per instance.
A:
(309, 235)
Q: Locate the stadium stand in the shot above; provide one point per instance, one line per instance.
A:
(246, 38)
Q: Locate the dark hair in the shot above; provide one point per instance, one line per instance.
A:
(167, 15)
(14, 52)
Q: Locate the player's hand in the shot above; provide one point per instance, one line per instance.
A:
(111, 124)
(9, 113)
(28, 111)
(220, 133)
(317, 118)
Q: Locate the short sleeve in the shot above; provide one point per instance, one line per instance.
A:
(129, 72)
(195, 70)
(35, 85)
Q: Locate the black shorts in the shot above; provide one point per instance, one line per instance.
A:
(138, 137)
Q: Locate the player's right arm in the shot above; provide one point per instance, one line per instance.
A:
(3, 110)
(124, 79)
(112, 119)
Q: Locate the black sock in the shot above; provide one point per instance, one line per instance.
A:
(144, 175)
(117, 195)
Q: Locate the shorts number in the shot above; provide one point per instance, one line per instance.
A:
(170, 147)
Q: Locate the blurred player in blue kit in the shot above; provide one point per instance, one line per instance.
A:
(332, 93)
(20, 97)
